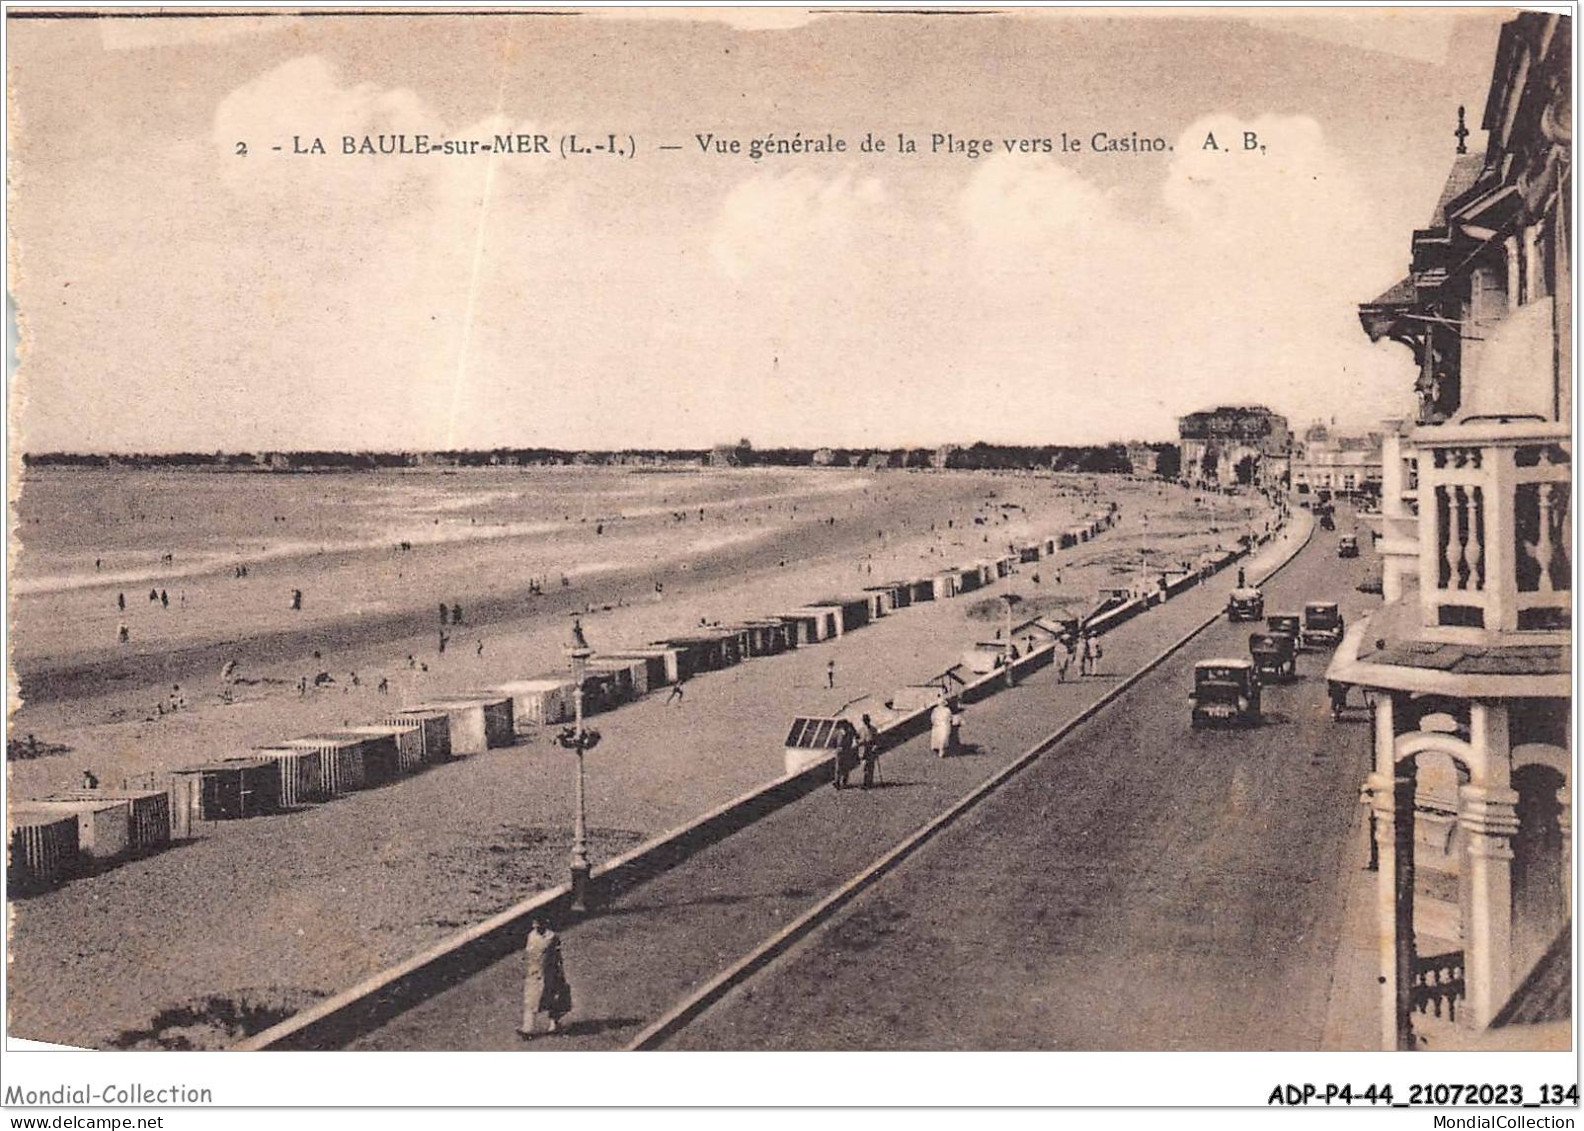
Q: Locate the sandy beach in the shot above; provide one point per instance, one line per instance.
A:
(283, 908)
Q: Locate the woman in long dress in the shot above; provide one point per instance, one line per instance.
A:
(547, 996)
(940, 728)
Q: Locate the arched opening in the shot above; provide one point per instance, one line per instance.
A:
(1540, 868)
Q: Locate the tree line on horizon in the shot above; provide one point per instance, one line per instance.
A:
(979, 456)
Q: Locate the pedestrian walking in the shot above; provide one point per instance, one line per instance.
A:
(445, 612)
(164, 599)
(1085, 655)
(122, 636)
(846, 754)
(479, 651)
(121, 601)
(1064, 655)
(830, 673)
(1099, 654)
(547, 995)
(153, 596)
(444, 640)
(868, 751)
(676, 692)
(296, 601)
(384, 686)
(940, 728)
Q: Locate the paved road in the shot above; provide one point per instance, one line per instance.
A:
(655, 944)
(1142, 886)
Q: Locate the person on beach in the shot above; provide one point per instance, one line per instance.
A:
(122, 636)
(1064, 655)
(1094, 660)
(121, 601)
(444, 640)
(164, 599)
(89, 780)
(445, 612)
(296, 601)
(456, 614)
(153, 596)
(1085, 654)
(676, 692)
(228, 672)
(547, 995)
(479, 651)
(868, 751)
(302, 686)
(940, 728)
(830, 674)
(384, 686)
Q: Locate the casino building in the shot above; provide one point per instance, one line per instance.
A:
(1230, 445)
(1467, 662)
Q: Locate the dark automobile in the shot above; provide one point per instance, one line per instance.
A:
(1322, 625)
(1245, 604)
(1288, 623)
(1225, 691)
(1347, 546)
(1275, 655)
(1329, 523)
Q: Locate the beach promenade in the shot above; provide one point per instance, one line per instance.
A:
(632, 960)
(282, 910)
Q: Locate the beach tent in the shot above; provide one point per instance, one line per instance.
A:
(538, 702)
(660, 664)
(148, 819)
(433, 726)
(812, 740)
(634, 673)
(767, 637)
(301, 771)
(104, 825)
(230, 789)
(606, 688)
(465, 720)
(857, 610)
(698, 652)
(342, 768)
(43, 849)
(405, 741)
(500, 728)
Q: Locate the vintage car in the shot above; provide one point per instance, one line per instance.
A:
(1275, 655)
(1326, 521)
(1246, 604)
(1289, 624)
(1322, 625)
(1225, 691)
(1347, 546)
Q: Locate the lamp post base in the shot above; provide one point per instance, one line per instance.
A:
(580, 887)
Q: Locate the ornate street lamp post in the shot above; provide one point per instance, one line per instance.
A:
(579, 739)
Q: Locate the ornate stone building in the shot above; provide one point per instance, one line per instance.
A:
(1467, 663)
(1234, 444)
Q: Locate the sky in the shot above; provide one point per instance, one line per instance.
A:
(175, 294)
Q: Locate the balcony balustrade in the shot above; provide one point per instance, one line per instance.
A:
(1495, 528)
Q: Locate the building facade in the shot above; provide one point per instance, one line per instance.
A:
(1226, 446)
(1343, 463)
(1467, 662)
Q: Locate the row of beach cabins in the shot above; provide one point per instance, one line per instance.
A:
(76, 831)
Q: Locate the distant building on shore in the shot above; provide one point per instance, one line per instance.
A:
(1467, 664)
(1142, 457)
(1348, 463)
(1234, 444)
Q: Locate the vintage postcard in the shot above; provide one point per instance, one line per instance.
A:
(768, 529)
